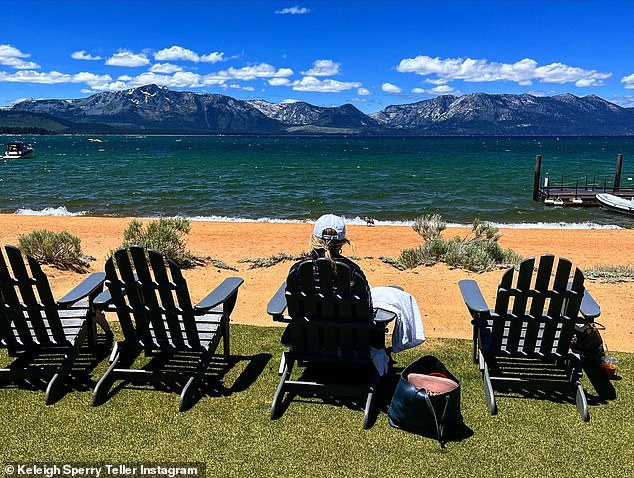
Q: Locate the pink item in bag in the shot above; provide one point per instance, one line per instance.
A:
(435, 383)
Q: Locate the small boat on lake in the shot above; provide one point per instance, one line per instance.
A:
(17, 149)
(616, 203)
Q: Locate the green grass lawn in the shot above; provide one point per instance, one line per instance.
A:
(229, 428)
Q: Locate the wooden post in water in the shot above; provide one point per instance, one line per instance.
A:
(617, 175)
(537, 178)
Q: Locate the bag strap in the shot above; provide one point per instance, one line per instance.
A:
(440, 426)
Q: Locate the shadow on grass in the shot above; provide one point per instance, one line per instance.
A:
(182, 366)
(382, 399)
(604, 390)
(33, 369)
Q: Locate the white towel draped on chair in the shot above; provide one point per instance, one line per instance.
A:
(408, 329)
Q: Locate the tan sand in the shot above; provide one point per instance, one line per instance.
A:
(435, 288)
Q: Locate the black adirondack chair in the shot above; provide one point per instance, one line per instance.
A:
(524, 342)
(32, 322)
(151, 299)
(331, 324)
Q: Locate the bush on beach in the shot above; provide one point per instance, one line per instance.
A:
(165, 236)
(478, 251)
(61, 250)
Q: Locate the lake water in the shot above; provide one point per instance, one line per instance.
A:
(392, 180)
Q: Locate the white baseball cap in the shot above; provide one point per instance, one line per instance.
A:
(330, 221)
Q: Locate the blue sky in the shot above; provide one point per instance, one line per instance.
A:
(368, 53)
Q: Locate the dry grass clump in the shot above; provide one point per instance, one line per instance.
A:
(270, 261)
(611, 273)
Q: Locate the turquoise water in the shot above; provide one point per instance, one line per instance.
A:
(301, 178)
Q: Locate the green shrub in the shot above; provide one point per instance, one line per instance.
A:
(61, 250)
(165, 236)
(429, 226)
(478, 251)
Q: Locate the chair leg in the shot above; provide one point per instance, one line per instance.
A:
(582, 403)
(55, 388)
(489, 395)
(367, 420)
(279, 393)
(120, 355)
(226, 348)
(192, 386)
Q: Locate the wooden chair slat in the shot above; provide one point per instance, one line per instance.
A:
(560, 285)
(157, 261)
(576, 293)
(132, 296)
(325, 273)
(146, 293)
(25, 287)
(10, 314)
(48, 301)
(115, 287)
(502, 298)
(524, 276)
(541, 284)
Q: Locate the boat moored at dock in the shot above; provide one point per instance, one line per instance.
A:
(616, 203)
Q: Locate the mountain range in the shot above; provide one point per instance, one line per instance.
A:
(157, 109)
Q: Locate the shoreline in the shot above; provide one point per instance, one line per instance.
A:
(435, 288)
(63, 212)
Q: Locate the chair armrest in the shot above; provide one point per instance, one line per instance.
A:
(220, 294)
(473, 297)
(589, 307)
(277, 304)
(102, 301)
(383, 316)
(89, 285)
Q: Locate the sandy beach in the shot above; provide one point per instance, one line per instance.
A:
(435, 288)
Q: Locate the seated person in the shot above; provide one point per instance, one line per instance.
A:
(328, 239)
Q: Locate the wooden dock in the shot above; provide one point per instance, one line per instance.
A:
(577, 193)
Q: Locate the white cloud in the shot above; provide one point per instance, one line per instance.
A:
(323, 68)
(296, 10)
(626, 101)
(165, 68)
(250, 72)
(279, 82)
(437, 90)
(628, 81)
(522, 72)
(127, 58)
(443, 90)
(11, 56)
(310, 83)
(214, 57)
(390, 88)
(53, 77)
(82, 55)
(238, 87)
(289, 101)
(175, 53)
(178, 53)
(363, 92)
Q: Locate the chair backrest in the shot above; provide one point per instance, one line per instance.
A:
(331, 311)
(144, 285)
(29, 312)
(536, 314)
